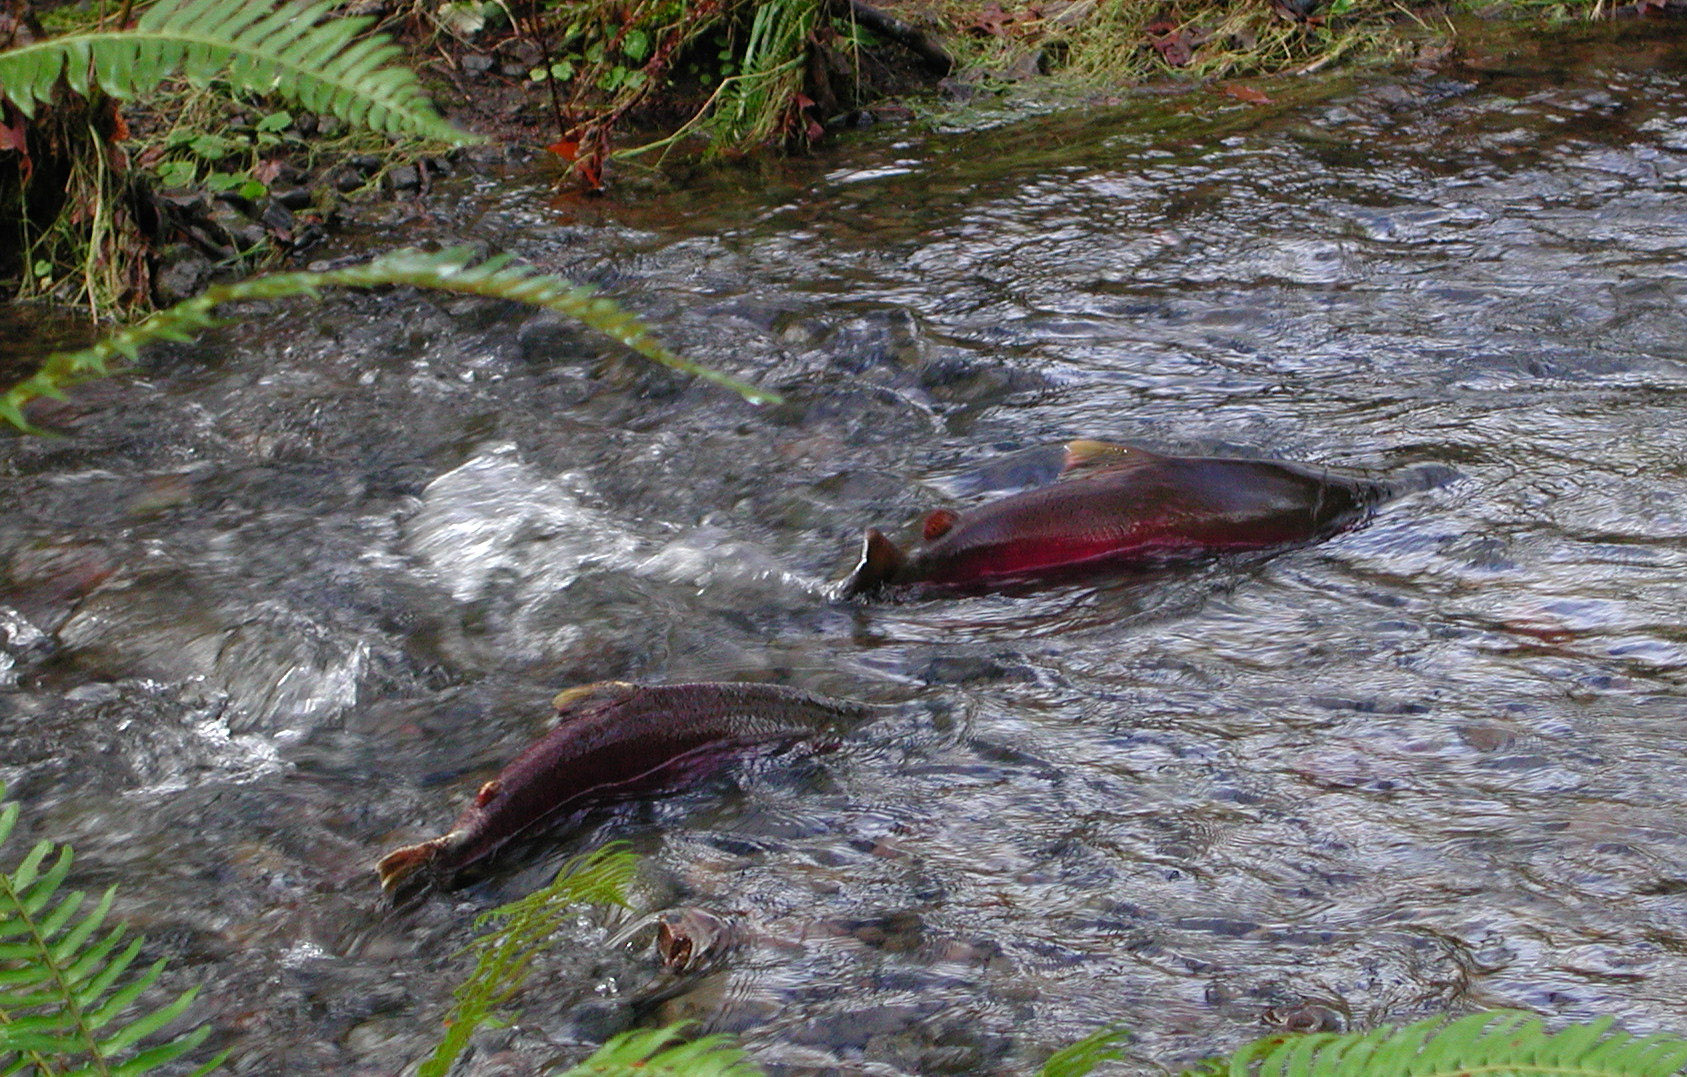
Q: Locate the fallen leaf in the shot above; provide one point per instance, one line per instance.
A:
(991, 20)
(1246, 93)
(567, 149)
(267, 170)
(1433, 54)
(1170, 42)
(590, 173)
(13, 138)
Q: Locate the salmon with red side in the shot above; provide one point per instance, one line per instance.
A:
(1119, 506)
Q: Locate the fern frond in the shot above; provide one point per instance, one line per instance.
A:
(1081, 1058)
(1502, 1044)
(67, 988)
(448, 270)
(294, 50)
(504, 956)
(754, 102)
(662, 1052)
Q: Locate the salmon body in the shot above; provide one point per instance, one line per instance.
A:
(613, 740)
(1121, 506)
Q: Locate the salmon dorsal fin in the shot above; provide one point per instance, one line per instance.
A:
(938, 524)
(880, 562)
(571, 701)
(1086, 454)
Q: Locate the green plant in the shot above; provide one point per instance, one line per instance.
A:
(1501, 1044)
(755, 103)
(504, 957)
(73, 206)
(1078, 1059)
(288, 50)
(662, 1052)
(1493, 1044)
(70, 993)
(737, 67)
(449, 270)
(191, 154)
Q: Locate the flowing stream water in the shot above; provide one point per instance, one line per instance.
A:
(282, 601)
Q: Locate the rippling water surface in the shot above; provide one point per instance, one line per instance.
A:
(285, 601)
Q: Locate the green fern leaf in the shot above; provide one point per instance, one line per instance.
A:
(504, 956)
(661, 1052)
(449, 270)
(1499, 1044)
(63, 979)
(1083, 1057)
(288, 50)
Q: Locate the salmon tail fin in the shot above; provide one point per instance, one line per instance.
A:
(400, 864)
(1088, 454)
(880, 562)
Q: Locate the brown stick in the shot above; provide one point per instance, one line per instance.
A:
(936, 57)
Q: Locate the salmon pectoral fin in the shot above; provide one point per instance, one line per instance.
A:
(880, 562)
(401, 864)
(1087, 454)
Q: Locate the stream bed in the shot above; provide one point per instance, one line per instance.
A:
(285, 599)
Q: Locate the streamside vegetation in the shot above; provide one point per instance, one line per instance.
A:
(106, 130)
(81, 218)
(88, 231)
(635, 79)
(132, 132)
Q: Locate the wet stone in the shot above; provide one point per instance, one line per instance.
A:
(292, 197)
(898, 933)
(404, 178)
(473, 312)
(276, 217)
(503, 1064)
(249, 237)
(476, 64)
(1305, 1017)
(960, 378)
(193, 202)
(594, 1021)
(966, 669)
(373, 1037)
(181, 279)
